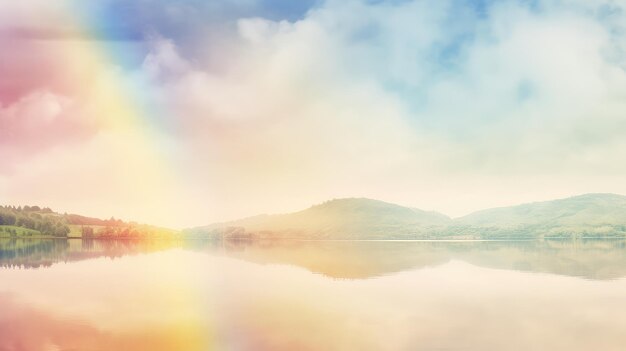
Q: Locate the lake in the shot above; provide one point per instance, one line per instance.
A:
(312, 295)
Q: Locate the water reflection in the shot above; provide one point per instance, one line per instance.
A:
(592, 259)
(232, 297)
(41, 253)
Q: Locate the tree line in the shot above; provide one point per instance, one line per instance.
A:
(48, 222)
(43, 220)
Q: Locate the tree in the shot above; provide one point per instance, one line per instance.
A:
(61, 230)
(87, 232)
(10, 219)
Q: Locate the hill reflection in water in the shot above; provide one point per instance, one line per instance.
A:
(257, 296)
(592, 259)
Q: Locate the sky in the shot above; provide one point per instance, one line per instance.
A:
(186, 112)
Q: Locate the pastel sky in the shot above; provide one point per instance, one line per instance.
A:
(186, 112)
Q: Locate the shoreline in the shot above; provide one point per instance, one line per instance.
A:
(312, 240)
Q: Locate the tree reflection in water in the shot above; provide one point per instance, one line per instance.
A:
(592, 259)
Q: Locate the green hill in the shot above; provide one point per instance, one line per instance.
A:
(590, 215)
(354, 218)
(34, 221)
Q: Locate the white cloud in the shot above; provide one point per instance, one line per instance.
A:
(428, 104)
(386, 100)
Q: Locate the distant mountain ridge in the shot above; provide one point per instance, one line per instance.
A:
(354, 218)
(592, 215)
(589, 215)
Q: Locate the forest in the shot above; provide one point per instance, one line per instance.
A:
(34, 221)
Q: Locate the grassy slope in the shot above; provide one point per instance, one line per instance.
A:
(76, 230)
(4, 231)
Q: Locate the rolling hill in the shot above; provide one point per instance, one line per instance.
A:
(36, 222)
(353, 218)
(589, 215)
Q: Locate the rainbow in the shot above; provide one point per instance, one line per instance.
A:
(117, 100)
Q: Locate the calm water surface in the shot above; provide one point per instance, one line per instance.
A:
(90, 295)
